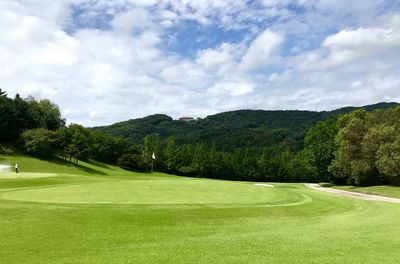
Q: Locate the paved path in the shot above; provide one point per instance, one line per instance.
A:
(363, 196)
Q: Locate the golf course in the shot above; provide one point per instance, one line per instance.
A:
(55, 212)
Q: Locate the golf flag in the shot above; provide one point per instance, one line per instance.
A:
(154, 156)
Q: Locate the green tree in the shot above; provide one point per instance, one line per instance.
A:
(283, 166)
(388, 161)
(51, 115)
(216, 163)
(265, 165)
(320, 145)
(249, 170)
(184, 158)
(40, 141)
(199, 165)
(170, 154)
(147, 151)
(131, 162)
(303, 171)
(24, 119)
(348, 165)
(8, 116)
(159, 162)
(236, 164)
(107, 148)
(3, 93)
(361, 135)
(76, 142)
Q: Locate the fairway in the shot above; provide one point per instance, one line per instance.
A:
(98, 213)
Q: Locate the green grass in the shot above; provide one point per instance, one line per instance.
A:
(101, 214)
(384, 190)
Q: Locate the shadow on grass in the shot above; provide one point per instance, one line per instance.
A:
(98, 164)
(90, 170)
(60, 161)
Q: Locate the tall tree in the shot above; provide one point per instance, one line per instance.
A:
(76, 142)
(185, 155)
(264, 165)
(388, 161)
(8, 116)
(249, 165)
(2, 93)
(159, 161)
(199, 165)
(320, 145)
(147, 151)
(51, 114)
(348, 164)
(216, 163)
(170, 154)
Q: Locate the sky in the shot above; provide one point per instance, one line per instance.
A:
(106, 61)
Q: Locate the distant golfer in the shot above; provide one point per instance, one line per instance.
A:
(16, 168)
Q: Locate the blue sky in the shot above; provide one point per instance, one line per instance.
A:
(108, 61)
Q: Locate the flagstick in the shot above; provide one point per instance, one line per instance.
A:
(153, 158)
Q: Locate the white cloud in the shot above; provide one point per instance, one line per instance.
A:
(186, 74)
(233, 88)
(137, 18)
(348, 45)
(347, 6)
(274, 3)
(222, 60)
(122, 70)
(261, 50)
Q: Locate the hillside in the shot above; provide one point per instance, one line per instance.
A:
(230, 130)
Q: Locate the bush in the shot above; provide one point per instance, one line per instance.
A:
(132, 162)
(5, 150)
(326, 184)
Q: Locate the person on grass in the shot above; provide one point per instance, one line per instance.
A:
(16, 168)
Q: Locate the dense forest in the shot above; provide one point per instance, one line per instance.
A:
(37, 128)
(231, 130)
(345, 146)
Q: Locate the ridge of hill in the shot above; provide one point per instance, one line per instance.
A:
(234, 129)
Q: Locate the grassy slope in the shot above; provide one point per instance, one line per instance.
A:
(384, 190)
(318, 228)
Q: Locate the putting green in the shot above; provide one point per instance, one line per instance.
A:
(189, 191)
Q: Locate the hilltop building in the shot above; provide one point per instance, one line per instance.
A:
(186, 118)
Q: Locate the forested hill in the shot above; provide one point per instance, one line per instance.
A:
(230, 130)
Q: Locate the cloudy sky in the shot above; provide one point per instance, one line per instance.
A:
(111, 60)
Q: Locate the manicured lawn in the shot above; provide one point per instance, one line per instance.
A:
(384, 190)
(101, 214)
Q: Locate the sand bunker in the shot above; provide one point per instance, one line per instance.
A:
(5, 168)
(264, 184)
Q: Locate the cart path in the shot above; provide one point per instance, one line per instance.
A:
(363, 196)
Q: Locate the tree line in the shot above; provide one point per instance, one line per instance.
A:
(200, 161)
(360, 148)
(18, 115)
(38, 128)
(231, 130)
